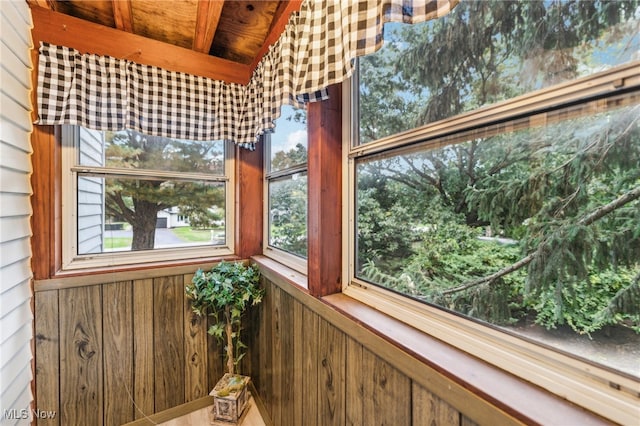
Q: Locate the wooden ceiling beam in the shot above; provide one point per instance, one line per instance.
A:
(47, 4)
(122, 15)
(207, 20)
(87, 37)
(280, 20)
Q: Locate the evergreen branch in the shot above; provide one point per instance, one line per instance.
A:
(585, 221)
(626, 300)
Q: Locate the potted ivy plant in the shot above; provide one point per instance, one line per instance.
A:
(223, 294)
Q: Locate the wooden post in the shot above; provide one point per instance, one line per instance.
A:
(325, 201)
(249, 202)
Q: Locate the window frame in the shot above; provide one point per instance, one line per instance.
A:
(73, 261)
(597, 388)
(295, 262)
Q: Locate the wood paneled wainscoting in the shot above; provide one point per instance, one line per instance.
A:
(110, 350)
(334, 361)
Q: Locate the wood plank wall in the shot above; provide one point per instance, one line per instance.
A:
(309, 372)
(109, 353)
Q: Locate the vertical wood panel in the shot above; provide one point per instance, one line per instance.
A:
(331, 375)
(265, 340)
(168, 332)
(428, 409)
(215, 360)
(275, 306)
(118, 352)
(47, 355)
(195, 351)
(387, 393)
(81, 384)
(354, 392)
(465, 421)
(298, 330)
(310, 376)
(143, 358)
(287, 367)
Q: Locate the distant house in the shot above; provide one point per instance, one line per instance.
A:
(171, 218)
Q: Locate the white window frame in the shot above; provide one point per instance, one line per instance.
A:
(73, 261)
(297, 263)
(597, 389)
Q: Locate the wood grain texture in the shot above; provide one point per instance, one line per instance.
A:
(429, 410)
(310, 384)
(386, 393)
(43, 201)
(331, 375)
(297, 361)
(195, 351)
(81, 357)
(168, 333)
(354, 384)
(47, 355)
(278, 351)
(117, 302)
(325, 194)
(143, 358)
(87, 37)
(265, 339)
(215, 359)
(249, 196)
(287, 366)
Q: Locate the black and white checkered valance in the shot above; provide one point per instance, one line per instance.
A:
(316, 49)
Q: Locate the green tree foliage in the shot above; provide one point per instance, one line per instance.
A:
(563, 197)
(288, 214)
(138, 201)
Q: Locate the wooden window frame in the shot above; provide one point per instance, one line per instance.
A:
(593, 387)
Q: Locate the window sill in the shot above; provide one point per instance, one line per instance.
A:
(482, 392)
(94, 276)
(276, 271)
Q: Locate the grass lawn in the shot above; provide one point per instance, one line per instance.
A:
(117, 242)
(194, 235)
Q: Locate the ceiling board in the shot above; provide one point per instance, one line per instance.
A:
(233, 30)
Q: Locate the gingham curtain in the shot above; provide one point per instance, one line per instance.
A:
(317, 49)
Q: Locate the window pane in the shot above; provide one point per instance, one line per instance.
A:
(288, 214)
(536, 231)
(288, 146)
(130, 149)
(486, 51)
(121, 214)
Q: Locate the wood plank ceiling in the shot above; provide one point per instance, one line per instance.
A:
(238, 31)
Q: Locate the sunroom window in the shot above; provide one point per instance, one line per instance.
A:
(286, 186)
(495, 187)
(131, 197)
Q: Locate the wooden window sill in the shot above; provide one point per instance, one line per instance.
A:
(83, 277)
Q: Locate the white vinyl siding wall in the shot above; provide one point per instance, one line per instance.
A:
(90, 193)
(16, 329)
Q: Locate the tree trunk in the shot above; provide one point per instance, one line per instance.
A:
(144, 225)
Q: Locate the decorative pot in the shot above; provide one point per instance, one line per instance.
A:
(230, 397)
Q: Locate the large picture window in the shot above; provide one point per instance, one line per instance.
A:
(134, 197)
(496, 188)
(286, 186)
